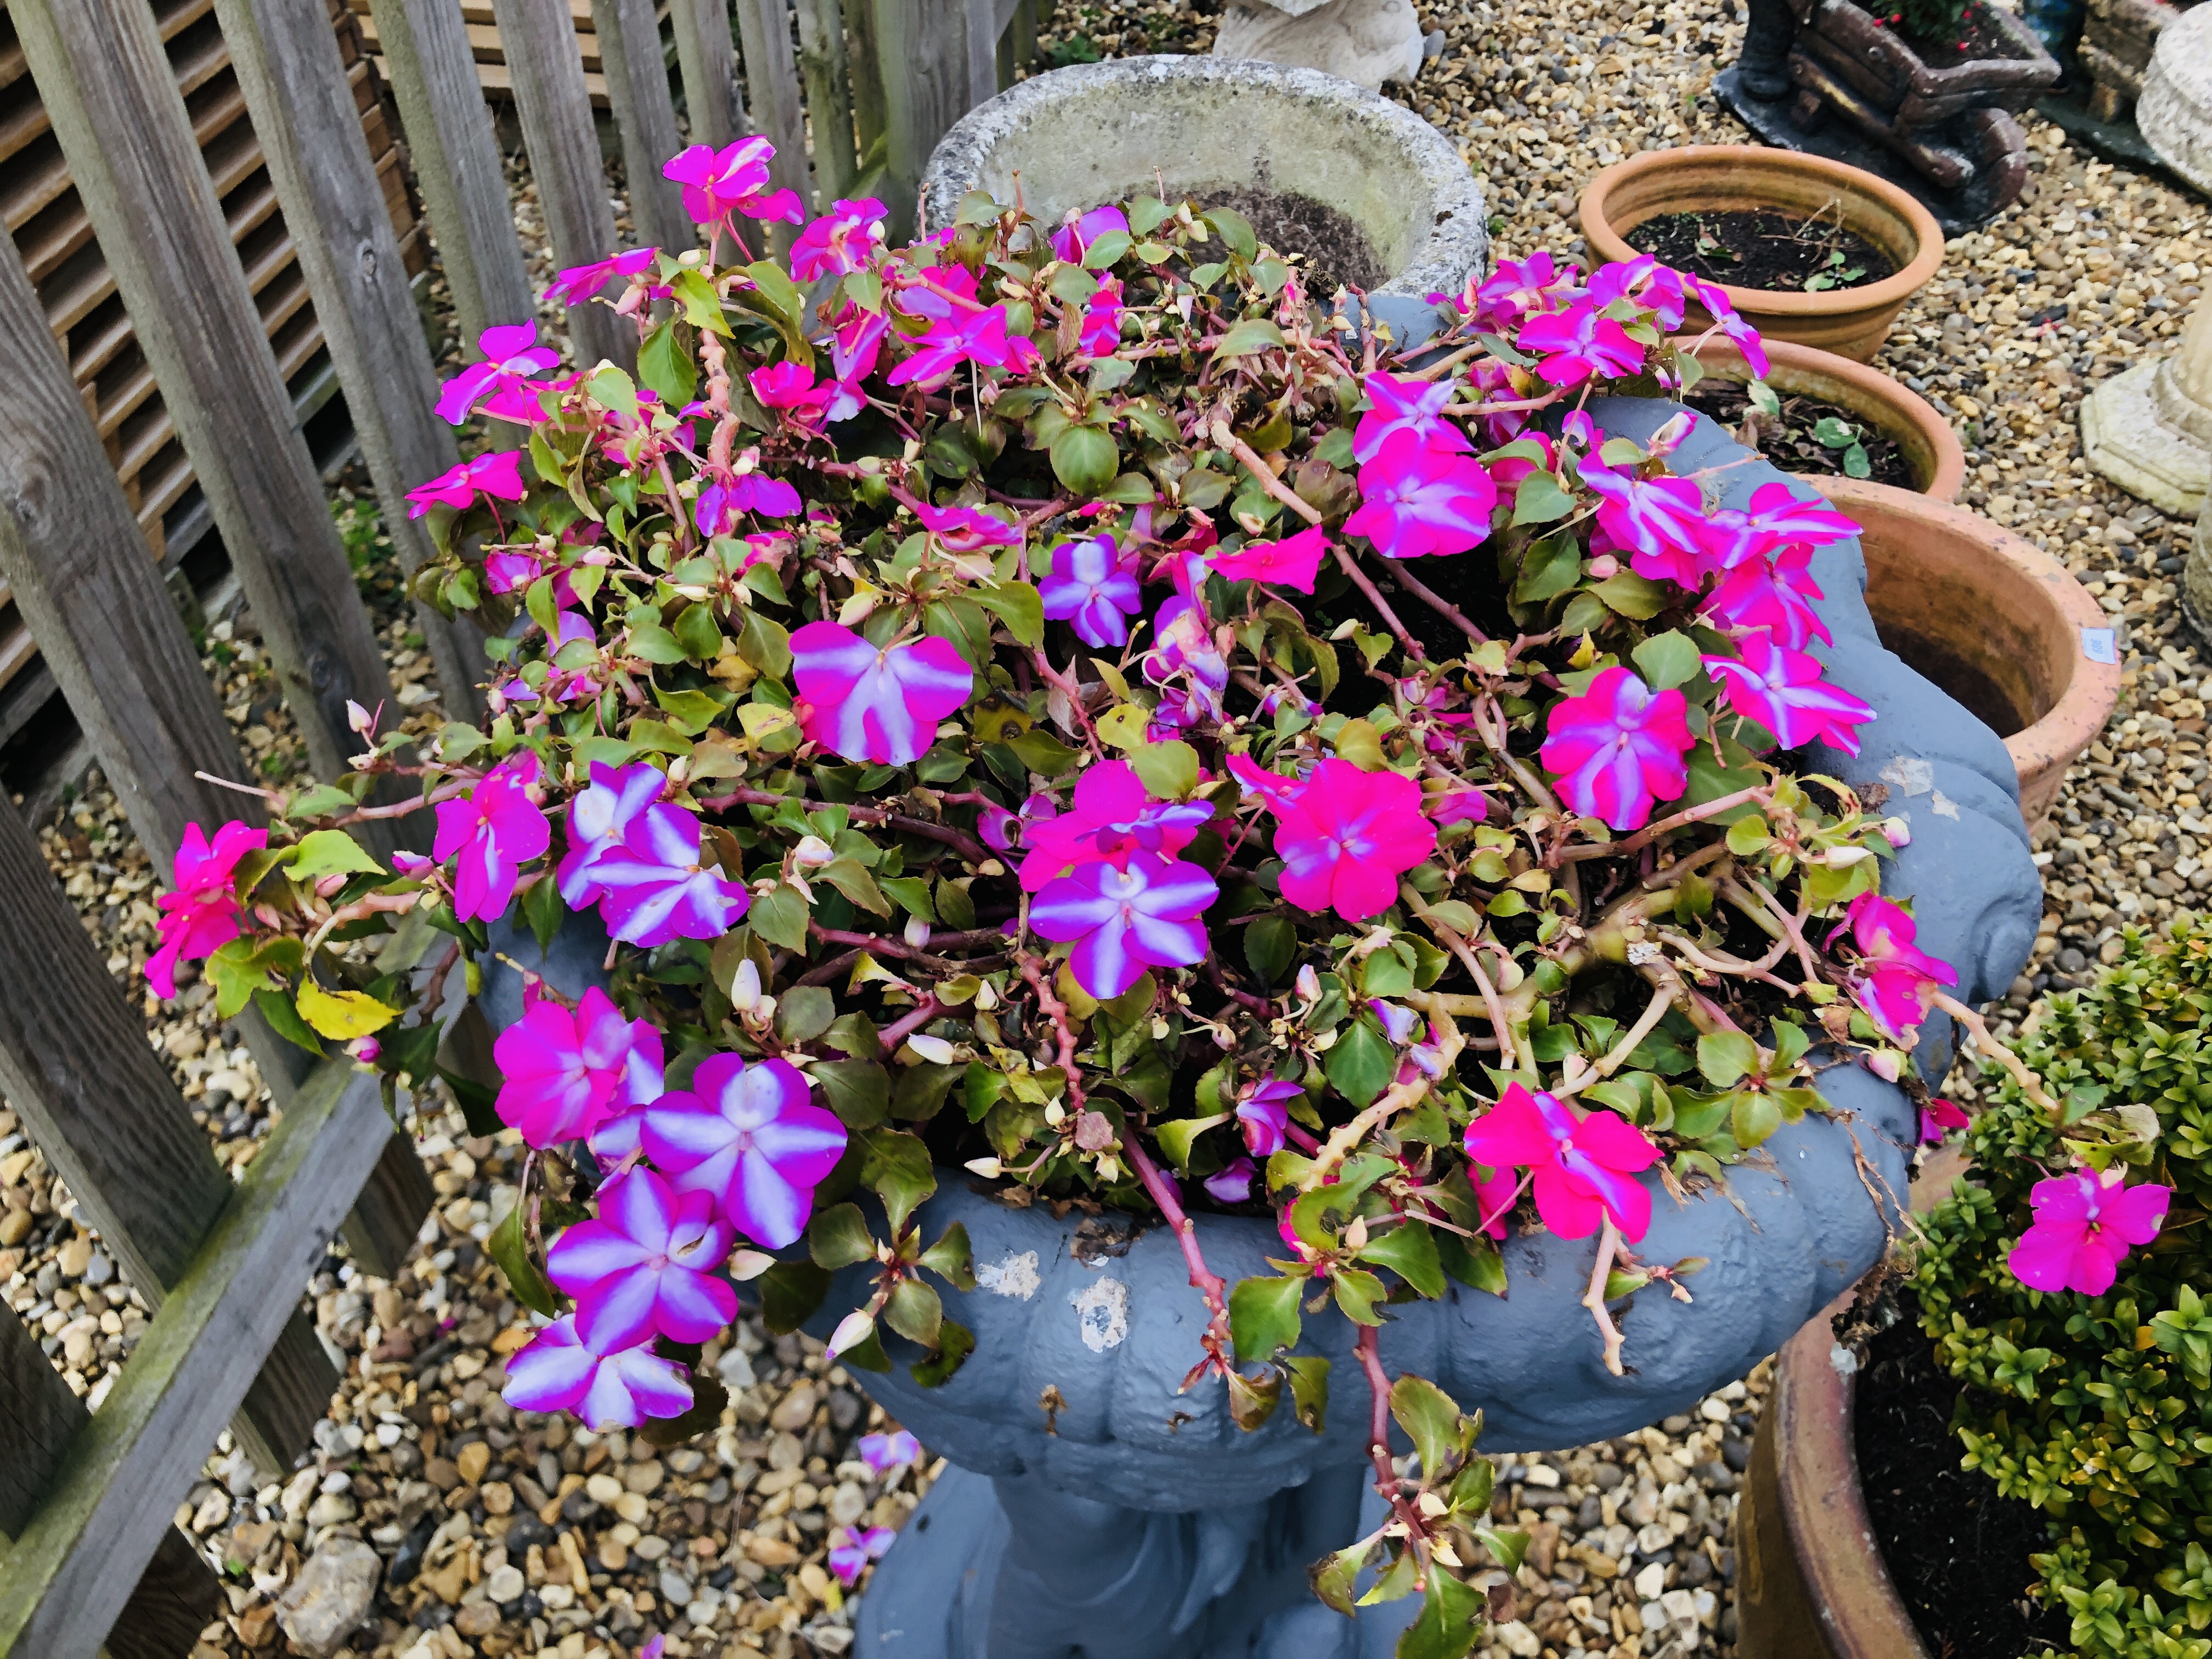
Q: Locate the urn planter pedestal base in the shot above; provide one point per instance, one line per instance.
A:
(2149, 428)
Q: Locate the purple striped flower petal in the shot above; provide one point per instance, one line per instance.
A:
(866, 704)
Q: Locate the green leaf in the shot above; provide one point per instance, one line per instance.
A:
(1754, 1114)
(912, 893)
(284, 1019)
(709, 1399)
(1726, 1056)
(803, 1013)
(1252, 334)
(1361, 1064)
(839, 1236)
(1475, 1262)
(896, 1165)
(1269, 945)
(667, 368)
(955, 1342)
(1084, 459)
(1105, 249)
(1043, 753)
(699, 634)
(1508, 1546)
(1235, 230)
(915, 1312)
(650, 642)
(1334, 1577)
(1263, 1315)
(1073, 285)
(1177, 1135)
(478, 1102)
(951, 1258)
(1018, 604)
(1449, 1620)
(1395, 1584)
(543, 910)
(1170, 770)
(765, 643)
(858, 1091)
(780, 918)
(328, 852)
(1310, 1389)
(1834, 433)
(790, 1291)
(239, 968)
(1537, 499)
(509, 1246)
(1358, 1294)
(851, 878)
(1409, 1250)
(1253, 1399)
(920, 1091)
(1709, 780)
(776, 297)
(1668, 659)
(1631, 595)
(1548, 568)
(1431, 1420)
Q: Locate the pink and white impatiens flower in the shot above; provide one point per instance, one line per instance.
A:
(865, 704)
(656, 885)
(609, 1388)
(1416, 501)
(1785, 692)
(563, 1069)
(1092, 589)
(1618, 748)
(839, 242)
(1346, 836)
(1894, 980)
(2085, 1223)
(644, 1266)
(715, 181)
(750, 1136)
(499, 386)
(1583, 1165)
(1123, 921)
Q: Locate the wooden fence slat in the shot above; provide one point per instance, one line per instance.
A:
(645, 116)
(709, 60)
(287, 62)
(74, 1060)
(71, 1569)
(822, 59)
(179, 1594)
(867, 73)
(772, 82)
(540, 39)
(106, 81)
(457, 164)
(979, 22)
(925, 42)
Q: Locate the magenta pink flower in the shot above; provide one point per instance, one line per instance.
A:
(882, 1453)
(1518, 287)
(1582, 1166)
(201, 912)
(967, 529)
(1894, 980)
(725, 501)
(1122, 920)
(1783, 691)
(849, 1560)
(1074, 238)
(866, 704)
(1416, 501)
(1576, 343)
(1776, 518)
(561, 1068)
(1406, 406)
(1293, 561)
(1093, 588)
(644, 1080)
(1102, 321)
(1263, 1113)
(1618, 748)
(579, 283)
(2084, 1225)
(954, 340)
(494, 831)
(1938, 1118)
(1772, 596)
(1495, 1194)
(498, 475)
(500, 385)
(840, 242)
(599, 820)
(1347, 836)
(749, 1135)
(656, 885)
(644, 1266)
(1723, 313)
(1232, 1182)
(1112, 818)
(792, 387)
(853, 352)
(617, 1389)
(715, 181)
(1660, 521)
(1279, 793)
(1644, 283)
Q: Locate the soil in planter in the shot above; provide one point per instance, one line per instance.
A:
(1336, 252)
(1772, 252)
(1791, 443)
(1976, 39)
(1957, 1552)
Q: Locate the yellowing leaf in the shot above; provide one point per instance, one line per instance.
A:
(1124, 728)
(342, 1014)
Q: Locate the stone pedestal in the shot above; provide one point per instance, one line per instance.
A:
(1366, 42)
(2196, 579)
(2150, 429)
(2175, 110)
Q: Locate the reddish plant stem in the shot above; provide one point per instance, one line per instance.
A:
(1651, 832)
(1057, 1011)
(1349, 566)
(967, 846)
(928, 1009)
(1436, 602)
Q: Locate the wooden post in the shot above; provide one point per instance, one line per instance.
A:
(924, 44)
(72, 1568)
(645, 115)
(866, 62)
(76, 564)
(539, 39)
(108, 88)
(303, 107)
(823, 59)
(980, 20)
(772, 79)
(433, 72)
(96, 1100)
(178, 1595)
(709, 62)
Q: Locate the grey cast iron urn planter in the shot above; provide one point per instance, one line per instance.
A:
(1130, 1522)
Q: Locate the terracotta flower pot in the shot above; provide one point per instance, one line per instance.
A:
(1931, 448)
(1746, 178)
(1992, 619)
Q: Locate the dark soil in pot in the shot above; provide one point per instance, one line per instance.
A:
(1791, 441)
(1778, 253)
(1956, 1551)
(1337, 252)
(1976, 39)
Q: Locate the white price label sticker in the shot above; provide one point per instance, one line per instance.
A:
(2100, 645)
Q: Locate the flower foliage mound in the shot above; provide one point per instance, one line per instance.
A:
(2088, 1356)
(1054, 700)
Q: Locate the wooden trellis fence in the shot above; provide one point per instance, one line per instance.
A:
(87, 1554)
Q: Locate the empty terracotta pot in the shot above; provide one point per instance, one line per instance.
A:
(1745, 178)
(1991, 619)
(1871, 398)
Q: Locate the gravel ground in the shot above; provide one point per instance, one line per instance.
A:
(501, 1533)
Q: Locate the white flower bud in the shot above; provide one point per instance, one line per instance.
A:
(745, 987)
(917, 933)
(934, 1049)
(988, 1167)
(1309, 983)
(853, 1329)
(812, 853)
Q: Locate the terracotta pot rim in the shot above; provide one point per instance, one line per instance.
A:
(1891, 290)
(1950, 456)
(2091, 689)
